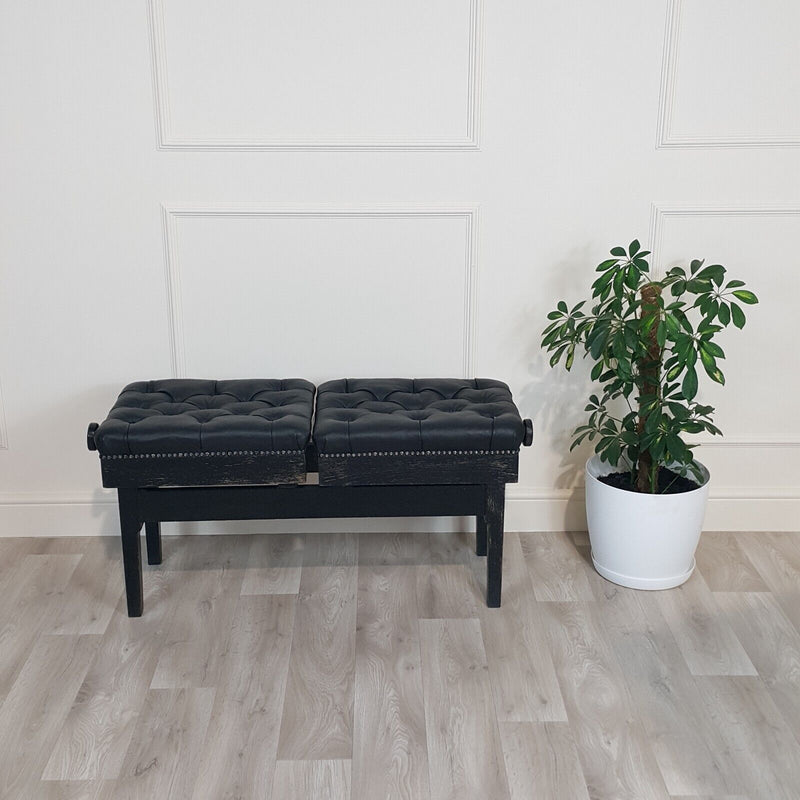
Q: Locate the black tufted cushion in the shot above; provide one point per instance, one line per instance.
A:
(191, 416)
(397, 415)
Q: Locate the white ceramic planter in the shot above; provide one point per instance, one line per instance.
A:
(644, 541)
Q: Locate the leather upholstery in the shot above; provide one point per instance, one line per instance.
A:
(190, 416)
(400, 415)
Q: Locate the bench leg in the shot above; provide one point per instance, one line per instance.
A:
(152, 529)
(130, 525)
(480, 535)
(494, 511)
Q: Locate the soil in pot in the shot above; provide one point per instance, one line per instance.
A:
(669, 482)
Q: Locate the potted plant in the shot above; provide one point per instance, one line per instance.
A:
(651, 339)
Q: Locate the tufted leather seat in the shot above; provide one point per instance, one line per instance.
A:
(402, 415)
(204, 416)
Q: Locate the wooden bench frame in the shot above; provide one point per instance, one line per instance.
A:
(409, 485)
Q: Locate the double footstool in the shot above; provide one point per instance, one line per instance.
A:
(190, 450)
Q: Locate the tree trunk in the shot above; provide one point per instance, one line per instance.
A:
(649, 380)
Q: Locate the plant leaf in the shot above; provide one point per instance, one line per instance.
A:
(698, 286)
(738, 316)
(570, 357)
(661, 334)
(715, 272)
(619, 277)
(678, 288)
(689, 385)
(710, 366)
(745, 296)
(603, 266)
(618, 251)
(634, 248)
(554, 359)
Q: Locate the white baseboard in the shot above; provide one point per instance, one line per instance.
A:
(95, 514)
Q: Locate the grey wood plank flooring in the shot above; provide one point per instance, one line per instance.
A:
(317, 721)
(89, 599)
(467, 763)
(522, 674)
(165, 750)
(97, 731)
(324, 779)
(35, 708)
(759, 739)
(75, 790)
(555, 572)
(704, 636)
(28, 604)
(199, 628)
(772, 643)
(239, 753)
(688, 748)
(709, 797)
(367, 667)
(776, 556)
(390, 752)
(446, 587)
(725, 566)
(274, 564)
(612, 744)
(542, 757)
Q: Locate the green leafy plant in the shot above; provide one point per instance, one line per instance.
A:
(649, 352)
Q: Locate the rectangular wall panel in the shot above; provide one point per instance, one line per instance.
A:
(300, 74)
(321, 293)
(731, 74)
(757, 245)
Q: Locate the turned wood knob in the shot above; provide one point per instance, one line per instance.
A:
(527, 439)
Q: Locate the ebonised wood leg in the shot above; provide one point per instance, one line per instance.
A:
(152, 529)
(480, 534)
(494, 511)
(130, 525)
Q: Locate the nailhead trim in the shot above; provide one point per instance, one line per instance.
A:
(208, 454)
(422, 453)
(321, 455)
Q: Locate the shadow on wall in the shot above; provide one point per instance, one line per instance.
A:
(554, 398)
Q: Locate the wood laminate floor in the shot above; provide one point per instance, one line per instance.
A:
(367, 667)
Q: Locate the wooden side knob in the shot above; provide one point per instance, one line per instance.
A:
(527, 439)
(90, 443)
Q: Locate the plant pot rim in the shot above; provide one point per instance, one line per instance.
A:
(595, 461)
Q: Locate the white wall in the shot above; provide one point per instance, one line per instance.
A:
(295, 188)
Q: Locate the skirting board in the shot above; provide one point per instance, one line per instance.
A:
(96, 515)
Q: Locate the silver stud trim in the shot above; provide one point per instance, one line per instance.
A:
(209, 454)
(422, 453)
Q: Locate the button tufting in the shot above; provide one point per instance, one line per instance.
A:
(183, 417)
(445, 416)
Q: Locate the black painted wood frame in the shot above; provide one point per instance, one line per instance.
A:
(150, 506)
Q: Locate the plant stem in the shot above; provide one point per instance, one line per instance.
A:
(649, 382)
(666, 488)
